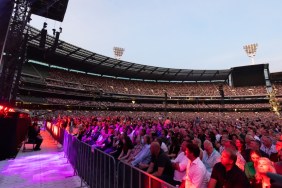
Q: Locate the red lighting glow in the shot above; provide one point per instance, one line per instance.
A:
(6, 109)
(55, 130)
(11, 110)
(49, 125)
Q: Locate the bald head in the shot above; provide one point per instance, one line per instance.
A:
(155, 148)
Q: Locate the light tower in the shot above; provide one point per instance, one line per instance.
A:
(118, 52)
(251, 50)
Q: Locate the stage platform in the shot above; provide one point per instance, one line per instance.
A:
(39, 169)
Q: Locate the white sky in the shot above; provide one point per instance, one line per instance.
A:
(188, 34)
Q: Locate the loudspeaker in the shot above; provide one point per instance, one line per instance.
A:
(43, 36)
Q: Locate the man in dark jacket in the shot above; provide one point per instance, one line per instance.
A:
(34, 135)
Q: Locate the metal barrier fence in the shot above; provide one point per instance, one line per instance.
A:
(130, 176)
(100, 170)
(95, 168)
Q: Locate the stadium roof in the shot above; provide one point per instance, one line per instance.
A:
(73, 57)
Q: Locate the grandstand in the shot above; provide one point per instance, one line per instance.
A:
(86, 80)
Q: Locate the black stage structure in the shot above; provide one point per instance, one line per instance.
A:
(15, 14)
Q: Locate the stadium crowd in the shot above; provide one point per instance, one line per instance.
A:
(187, 149)
(111, 85)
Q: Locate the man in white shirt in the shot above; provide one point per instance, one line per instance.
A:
(179, 164)
(196, 172)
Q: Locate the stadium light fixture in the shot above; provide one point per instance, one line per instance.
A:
(118, 52)
(251, 50)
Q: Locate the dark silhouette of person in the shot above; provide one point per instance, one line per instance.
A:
(34, 136)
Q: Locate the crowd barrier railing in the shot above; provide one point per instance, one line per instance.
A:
(130, 176)
(100, 170)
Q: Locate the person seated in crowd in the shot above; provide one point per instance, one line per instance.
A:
(126, 149)
(267, 146)
(117, 145)
(179, 164)
(250, 167)
(174, 147)
(160, 165)
(34, 136)
(196, 172)
(248, 139)
(275, 157)
(101, 139)
(108, 143)
(136, 149)
(198, 142)
(254, 145)
(240, 144)
(240, 162)
(210, 156)
(264, 166)
(226, 173)
(162, 144)
(278, 164)
(223, 139)
(143, 158)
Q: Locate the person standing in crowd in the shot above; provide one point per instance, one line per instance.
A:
(160, 165)
(179, 164)
(196, 172)
(227, 174)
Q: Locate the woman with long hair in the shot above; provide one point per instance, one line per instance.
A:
(264, 166)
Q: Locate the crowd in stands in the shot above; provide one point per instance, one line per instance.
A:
(110, 85)
(277, 87)
(187, 149)
(243, 91)
(61, 101)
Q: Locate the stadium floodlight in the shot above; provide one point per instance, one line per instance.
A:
(118, 52)
(251, 50)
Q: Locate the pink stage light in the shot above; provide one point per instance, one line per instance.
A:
(55, 131)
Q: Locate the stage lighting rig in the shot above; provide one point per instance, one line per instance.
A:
(43, 36)
(251, 50)
(44, 25)
(54, 32)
